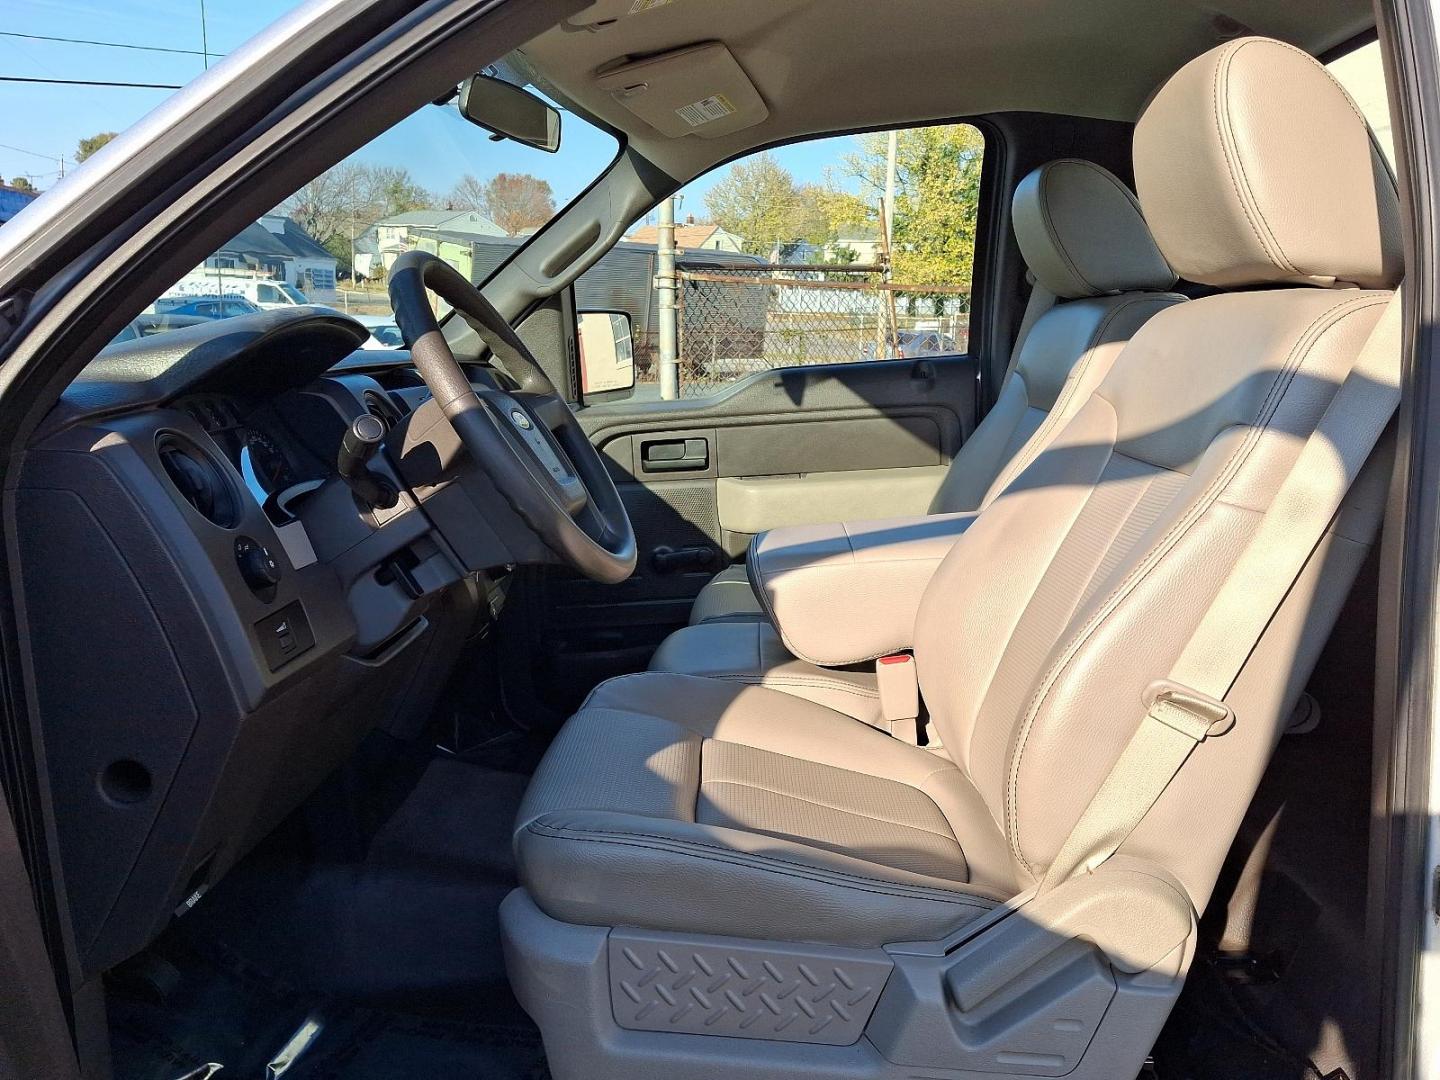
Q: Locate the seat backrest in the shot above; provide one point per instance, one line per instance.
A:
(1082, 236)
(1082, 581)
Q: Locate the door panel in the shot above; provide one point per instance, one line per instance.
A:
(700, 476)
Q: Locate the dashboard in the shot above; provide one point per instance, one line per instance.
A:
(214, 619)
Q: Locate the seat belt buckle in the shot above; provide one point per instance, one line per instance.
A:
(1195, 715)
(899, 686)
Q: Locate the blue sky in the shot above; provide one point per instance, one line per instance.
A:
(43, 123)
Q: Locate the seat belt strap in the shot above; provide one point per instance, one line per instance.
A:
(1041, 300)
(1185, 709)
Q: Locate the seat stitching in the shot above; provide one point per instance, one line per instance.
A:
(1323, 323)
(1054, 234)
(892, 888)
(792, 680)
(946, 836)
(1243, 193)
(1129, 196)
(1032, 448)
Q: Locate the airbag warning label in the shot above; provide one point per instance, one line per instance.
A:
(715, 107)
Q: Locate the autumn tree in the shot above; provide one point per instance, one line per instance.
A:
(937, 195)
(514, 201)
(85, 147)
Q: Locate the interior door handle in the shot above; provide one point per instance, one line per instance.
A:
(675, 455)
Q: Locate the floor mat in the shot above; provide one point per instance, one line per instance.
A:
(396, 956)
(227, 1013)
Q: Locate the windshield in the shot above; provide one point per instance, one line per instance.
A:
(435, 182)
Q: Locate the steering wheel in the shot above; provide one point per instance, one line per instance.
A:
(528, 442)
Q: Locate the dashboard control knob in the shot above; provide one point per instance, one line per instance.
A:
(258, 567)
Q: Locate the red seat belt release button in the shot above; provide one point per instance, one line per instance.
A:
(899, 687)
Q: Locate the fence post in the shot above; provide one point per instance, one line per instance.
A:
(665, 292)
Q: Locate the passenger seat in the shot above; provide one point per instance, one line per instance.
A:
(1082, 235)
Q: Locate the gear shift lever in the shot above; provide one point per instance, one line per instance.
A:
(360, 443)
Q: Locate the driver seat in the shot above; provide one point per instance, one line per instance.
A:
(699, 858)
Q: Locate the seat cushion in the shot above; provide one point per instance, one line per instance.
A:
(682, 803)
(727, 597)
(751, 652)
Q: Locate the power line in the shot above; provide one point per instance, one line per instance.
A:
(90, 82)
(32, 153)
(104, 44)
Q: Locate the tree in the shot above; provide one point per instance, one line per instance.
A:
(514, 201)
(758, 201)
(85, 147)
(937, 194)
(21, 183)
(343, 202)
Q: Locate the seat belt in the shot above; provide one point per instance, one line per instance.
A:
(1040, 301)
(1183, 710)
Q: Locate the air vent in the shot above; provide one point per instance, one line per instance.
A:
(379, 404)
(199, 479)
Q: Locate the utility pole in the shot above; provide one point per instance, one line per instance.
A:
(665, 289)
(354, 282)
(204, 37)
(891, 152)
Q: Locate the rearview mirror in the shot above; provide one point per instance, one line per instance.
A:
(510, 112)
(607, 352)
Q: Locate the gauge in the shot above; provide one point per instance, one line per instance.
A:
(267, 462)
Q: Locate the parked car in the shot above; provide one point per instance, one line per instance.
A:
(148, 324)
(384, 333)
(211, 307)
(909, 343)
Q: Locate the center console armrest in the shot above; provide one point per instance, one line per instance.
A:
(848, 592)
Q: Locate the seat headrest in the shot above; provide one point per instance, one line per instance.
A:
(1254, 167)
(1081, 232)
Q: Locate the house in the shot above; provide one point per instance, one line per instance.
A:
(391, 237)
(454, 247)
(863, 243)
(692, 237)
(284, 249)
(12, 201)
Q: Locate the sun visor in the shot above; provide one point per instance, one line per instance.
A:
(699, 90)
(602, 12)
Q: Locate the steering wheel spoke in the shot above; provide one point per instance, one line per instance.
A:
(533, 440)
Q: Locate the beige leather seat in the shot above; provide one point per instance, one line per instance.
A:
(700, 857)
(1081, 233)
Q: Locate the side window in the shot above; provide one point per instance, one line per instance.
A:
(794, 256)
(1362, 73)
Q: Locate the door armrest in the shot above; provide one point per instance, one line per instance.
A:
(848, 592)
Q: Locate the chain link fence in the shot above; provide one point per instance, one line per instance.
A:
(735, 321)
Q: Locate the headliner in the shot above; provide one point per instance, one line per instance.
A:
(833, 65)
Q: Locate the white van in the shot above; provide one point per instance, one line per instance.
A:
(262, 292)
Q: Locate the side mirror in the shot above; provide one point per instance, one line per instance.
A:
(607, 352)
(510, 112)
